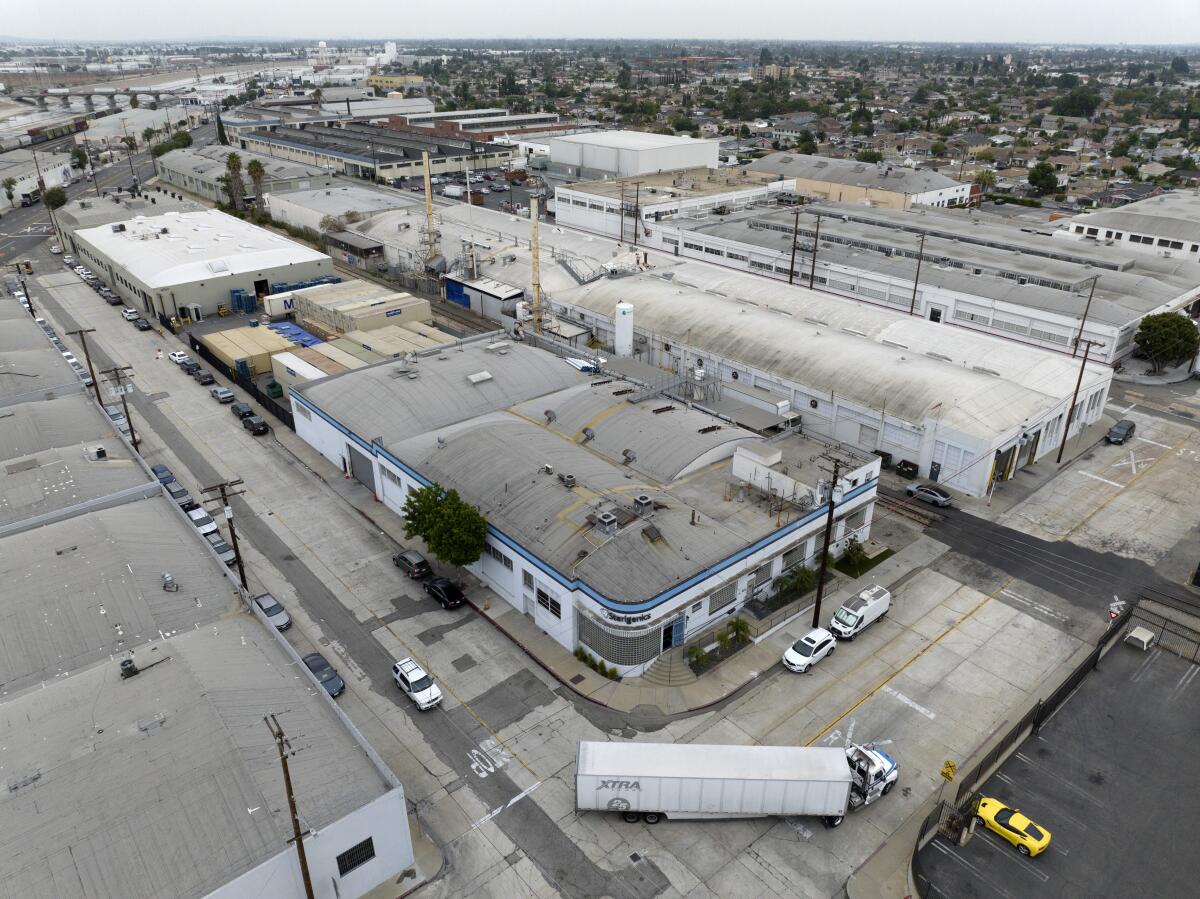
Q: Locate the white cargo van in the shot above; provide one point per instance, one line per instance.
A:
(858, 613)
(453, 191)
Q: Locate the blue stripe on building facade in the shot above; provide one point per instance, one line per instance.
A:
(575, 583)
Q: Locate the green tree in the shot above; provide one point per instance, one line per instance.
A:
(234, 186)
(869, 156)
(1179, 66)
(739, 630)
(1042, 179)
(624, 76)
(221, 138)
(55, 197)
(1167, 339)
(765, 57)
(257, 173)
(1081, 101)
(986, 179)
(937, 148)
(854, 556)
(9, 184)
(78, 157)
(148, 135)
(453, 529)
(134, 102)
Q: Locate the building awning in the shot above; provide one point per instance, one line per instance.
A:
(353, 241)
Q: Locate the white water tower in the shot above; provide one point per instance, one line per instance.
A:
(623, 337)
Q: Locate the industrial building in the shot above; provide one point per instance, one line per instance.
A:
(623, 207)
(313, 205)
(481, 124)
(622, 520)
(600, 154)
(200, 171)
(136, 758)
(366, 151)
(851, 181)
(303, 113)
(1167, 225)
(187, 264)
(118, 206)
(244, 349)
(967, 408)
(975, 271)
(350, 305)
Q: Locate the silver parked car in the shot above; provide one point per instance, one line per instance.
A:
(276, 614)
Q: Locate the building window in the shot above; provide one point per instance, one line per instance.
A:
(496, 554)
(388, 474)
(718, 599)
(356, 856)
(549, 603)
(527, 580)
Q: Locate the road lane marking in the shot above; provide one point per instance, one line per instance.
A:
(924, 649)
(1005, 849)
(1096, 477)
(1152, 442)
(984, 878)
(915, 706)
(1145, 666)
(1132, 481)
(1059, 778)
(1036, 606)
(1133, 462)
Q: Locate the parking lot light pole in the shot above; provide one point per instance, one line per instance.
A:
(117, 375)
(82, 335)
(224, 488)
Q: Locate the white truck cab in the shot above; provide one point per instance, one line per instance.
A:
(860, 612)
(875, 773)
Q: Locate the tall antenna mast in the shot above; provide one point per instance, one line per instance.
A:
(429, 237)
(537, 267)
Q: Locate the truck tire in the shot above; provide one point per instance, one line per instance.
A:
(887, 787)
(834, 820)
(652, 817)
(631, 817)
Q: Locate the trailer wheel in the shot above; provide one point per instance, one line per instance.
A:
(834, 820)
(631, 817)
(652, 817)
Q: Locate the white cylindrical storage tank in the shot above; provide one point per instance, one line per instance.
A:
(623, 328)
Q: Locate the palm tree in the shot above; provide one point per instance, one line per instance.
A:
(318, 95)
(256, 172)
(148, 135)
(9, 184)
(986, 179)
(233, 181)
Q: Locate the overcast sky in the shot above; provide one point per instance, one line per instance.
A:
(1018, 21)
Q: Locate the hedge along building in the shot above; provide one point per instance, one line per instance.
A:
(621, 526)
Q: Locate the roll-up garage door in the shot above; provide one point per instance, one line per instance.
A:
(361, 467)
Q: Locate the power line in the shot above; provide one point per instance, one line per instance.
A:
(285, 749)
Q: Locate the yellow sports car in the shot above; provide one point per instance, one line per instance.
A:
(1029, 838)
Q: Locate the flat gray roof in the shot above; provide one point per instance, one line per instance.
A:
(1175, 215)
(851, 171)
(168, 783)
(209, 162)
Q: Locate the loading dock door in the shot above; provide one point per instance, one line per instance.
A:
(361, 467)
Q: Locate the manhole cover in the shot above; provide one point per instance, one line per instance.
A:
(578, 679)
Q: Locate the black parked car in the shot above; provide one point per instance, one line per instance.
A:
(255, 425)
(241, 410)
(325, 673)
(445, 592)
(1120, 432)
(203, 376)
(190, 367)
(141, 324)
(412, 563)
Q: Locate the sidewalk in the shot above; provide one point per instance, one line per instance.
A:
(636, 694)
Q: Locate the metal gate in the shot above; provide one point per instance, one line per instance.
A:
(361, 468)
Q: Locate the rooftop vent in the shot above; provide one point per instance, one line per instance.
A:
(568, 480)
(651, 533)
(551, 415)
(662, 409)
(588, 434)
(497, 346)
(643, 504)
(607, 523)
(480, 377)
(629, 456)
(709, 429)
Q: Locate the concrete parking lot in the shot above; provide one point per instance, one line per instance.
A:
(1108, 777)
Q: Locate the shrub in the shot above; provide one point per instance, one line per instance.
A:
(739, 631)
(723, 641)
(612, 673)
(697, 656)
(580, 654)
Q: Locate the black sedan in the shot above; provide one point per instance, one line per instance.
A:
(445, 592)
(255, 425)
(326, 674)
(412, 563)
(141, 324)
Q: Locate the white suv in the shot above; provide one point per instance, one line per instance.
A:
(179, 357)
(809, 650)
(416, 684)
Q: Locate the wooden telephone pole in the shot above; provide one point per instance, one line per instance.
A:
(224, 487)
(836, 473)
(82, 335)
(117, 376)
(1087, 349)
(285, 749)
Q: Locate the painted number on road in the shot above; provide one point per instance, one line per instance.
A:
(489, 758)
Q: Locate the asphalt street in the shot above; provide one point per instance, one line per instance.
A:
(558, 858)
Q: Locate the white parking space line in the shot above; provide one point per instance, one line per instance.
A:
(1133, 462)
(1152, 442)
(1060, 779)
(1124, 411)
(1145, 666)
(1184, 682)
(1036, 606)
(1012, 855)
(978, 872)
(915, 706)
(1096, 477)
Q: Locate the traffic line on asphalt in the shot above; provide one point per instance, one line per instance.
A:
(924, 649)
(1145, 666)
(1184, 682)
(1096, 477)
(912, 704)
(1036, 606)
(974, 869)
(498, 809)
(1009, 853)
(1059, 778)
(1123, 487)
(1152, 442)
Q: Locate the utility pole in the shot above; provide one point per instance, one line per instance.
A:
(795, 238)
(812, 272)
(1087, 349)
(224, 487)
(82, 335)
(117, 374)
(1087, 308)
(24, 287)
(837, 470)
(285, 749)
(535, 253)
(912, 304)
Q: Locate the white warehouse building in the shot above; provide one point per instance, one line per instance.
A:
(623, 522)
(597, 154)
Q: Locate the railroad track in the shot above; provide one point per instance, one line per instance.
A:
(910, 510)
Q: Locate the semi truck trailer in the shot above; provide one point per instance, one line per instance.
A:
(652, 781)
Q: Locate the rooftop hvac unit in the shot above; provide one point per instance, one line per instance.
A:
(97, 453)
(607, 522)
(629, 456)
(568, 480)
(588, 435)
(551, 415)
(643, 504)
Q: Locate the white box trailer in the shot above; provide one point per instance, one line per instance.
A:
(687, 780)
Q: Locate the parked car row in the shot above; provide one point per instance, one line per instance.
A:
(851, 619)
(76, 366)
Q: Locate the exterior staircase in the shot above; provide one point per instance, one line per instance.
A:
(669, 670)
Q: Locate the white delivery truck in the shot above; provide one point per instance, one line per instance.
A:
(686, 780)
(860, 612)
(453, 191)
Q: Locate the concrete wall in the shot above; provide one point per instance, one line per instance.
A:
(384, 821)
